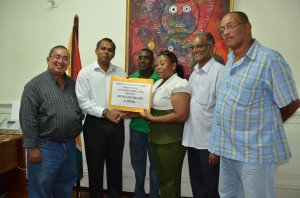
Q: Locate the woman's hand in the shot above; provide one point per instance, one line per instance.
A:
(145, 114)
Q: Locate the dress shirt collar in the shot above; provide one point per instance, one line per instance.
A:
(251, 54)
(206, 67)
(96, 66)
(55, 78)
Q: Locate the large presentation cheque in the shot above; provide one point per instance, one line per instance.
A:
(133, 94)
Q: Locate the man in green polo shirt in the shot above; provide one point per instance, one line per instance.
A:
(139, 129)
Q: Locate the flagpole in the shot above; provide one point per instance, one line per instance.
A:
(73, 70)
(75, 29)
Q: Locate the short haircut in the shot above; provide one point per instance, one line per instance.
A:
(241, 15)
(108, 40)
(56, 47)
(148, 50)
(209, 36)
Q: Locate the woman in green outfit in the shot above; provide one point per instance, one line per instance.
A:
(170, 109)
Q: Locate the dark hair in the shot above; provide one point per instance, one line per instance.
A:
(169, 54)
(58, 46)
(180, 71)
(209, 36)
(241, 15)
(106, 39)
(173, 58)
(148, 50)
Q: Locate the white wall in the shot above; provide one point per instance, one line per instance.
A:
(30, 28)
(276, 24)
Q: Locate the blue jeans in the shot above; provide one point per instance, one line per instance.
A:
(139, 146)
(239, 179)
(56, 175)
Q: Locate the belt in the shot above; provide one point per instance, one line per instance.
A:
(94, 117)
(102, 119)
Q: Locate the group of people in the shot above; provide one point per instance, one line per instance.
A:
(229, 120)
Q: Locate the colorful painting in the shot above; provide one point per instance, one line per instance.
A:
(170, 24)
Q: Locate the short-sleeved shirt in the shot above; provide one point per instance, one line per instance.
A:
(247, 123)
(140, 124)
(162, 95)
(165, 133)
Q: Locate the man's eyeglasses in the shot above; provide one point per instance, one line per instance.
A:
(199, 46)
(62, 58)
(230, 26)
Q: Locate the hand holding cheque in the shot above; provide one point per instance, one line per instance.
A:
(130, 95)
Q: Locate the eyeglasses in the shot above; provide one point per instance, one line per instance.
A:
(62, 58)
(199, 46)
(230, 26)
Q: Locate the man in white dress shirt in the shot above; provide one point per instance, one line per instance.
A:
(103, 129)
(203, 166)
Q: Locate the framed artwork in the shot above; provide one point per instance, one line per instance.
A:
(170, 24)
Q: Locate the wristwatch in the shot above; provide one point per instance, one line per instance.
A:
(104, 113)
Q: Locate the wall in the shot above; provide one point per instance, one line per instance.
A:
(275, 24)
(30, 28)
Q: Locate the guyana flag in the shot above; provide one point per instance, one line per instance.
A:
(73, 70)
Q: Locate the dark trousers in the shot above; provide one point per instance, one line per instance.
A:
(104, 144)
(204, 177)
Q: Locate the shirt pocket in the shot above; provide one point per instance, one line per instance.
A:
(202, 96)
(74, 104)
(249, 93)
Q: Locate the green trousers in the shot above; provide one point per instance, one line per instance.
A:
(168, 159)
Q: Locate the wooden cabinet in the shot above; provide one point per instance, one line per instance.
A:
(12, 162)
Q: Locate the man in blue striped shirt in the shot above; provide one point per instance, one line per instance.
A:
(256, 95)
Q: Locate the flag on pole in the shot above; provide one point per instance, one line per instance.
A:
(75, 63)
(73, 70)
